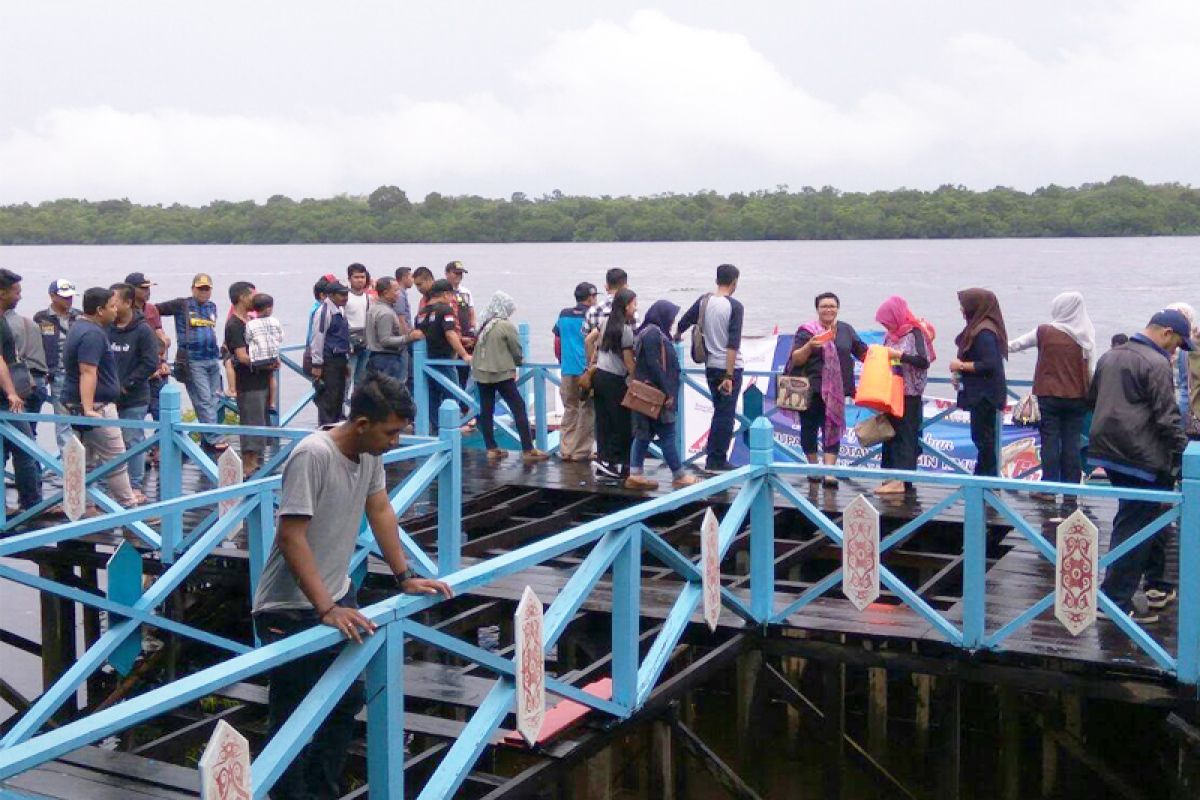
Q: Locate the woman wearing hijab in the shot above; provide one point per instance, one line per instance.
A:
(1187, 375)
(494, 365)
(656, 363)
(979, 372)
(910, 343)
(822, 352)
(1066, 354)
(614, 363)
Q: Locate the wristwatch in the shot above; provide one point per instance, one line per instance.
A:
(403, 577)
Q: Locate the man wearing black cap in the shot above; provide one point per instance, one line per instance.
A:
(54, 323)
(198, 355)
(141, 304)
(329, 352)
(440, 327)
(1137, 437)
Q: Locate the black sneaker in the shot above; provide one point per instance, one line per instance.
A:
(718, 466)
(1160, 598)
(607, 470)
(1148, 617)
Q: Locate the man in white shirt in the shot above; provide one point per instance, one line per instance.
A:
(357, 303)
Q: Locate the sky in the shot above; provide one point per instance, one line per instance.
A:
(164, 102)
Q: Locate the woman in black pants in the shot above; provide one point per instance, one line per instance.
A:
(498, 353)
(979, 372)
(614, 364)
(911, 344)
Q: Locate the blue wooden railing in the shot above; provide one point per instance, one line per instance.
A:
(613, 545)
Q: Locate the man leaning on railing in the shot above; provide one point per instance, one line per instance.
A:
(306, 579)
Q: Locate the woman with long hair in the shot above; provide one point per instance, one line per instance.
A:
(656, 363)
(821, 351)
(1065, 359)
(979, 372)
(498, 353)
(614, 364)
(910, 341)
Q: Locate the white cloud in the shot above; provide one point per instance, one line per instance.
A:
(652, 104)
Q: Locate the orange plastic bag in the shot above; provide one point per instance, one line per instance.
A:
(897, 395)
(875, 387)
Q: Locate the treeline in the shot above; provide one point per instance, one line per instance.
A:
(1121, 207)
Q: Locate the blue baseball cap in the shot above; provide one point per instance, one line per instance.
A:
(63, 288)
(1175, 321)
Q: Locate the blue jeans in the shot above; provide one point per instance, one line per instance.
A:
(26, 469)
(61, 429)
(438, 393)
(394, 365)
(1061, 427)
(720, 432)
(203, 383)
(133, 436)
(358, 366)
(664, 432)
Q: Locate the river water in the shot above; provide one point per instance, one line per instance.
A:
(1124, 281)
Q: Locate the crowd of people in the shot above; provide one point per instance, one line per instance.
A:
(109, 359)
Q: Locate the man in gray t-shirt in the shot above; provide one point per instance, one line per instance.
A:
(306, 581)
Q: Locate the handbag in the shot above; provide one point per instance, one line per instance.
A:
(646, 398)
(793, 392)
(1027, 412)
(874, 430)
(699, 351)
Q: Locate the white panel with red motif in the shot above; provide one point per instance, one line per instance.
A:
(1076, 566)
(225, 766)
(710, 568)
(530, 662)
(860, 553)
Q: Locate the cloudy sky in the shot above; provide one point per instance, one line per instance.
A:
(188, 102)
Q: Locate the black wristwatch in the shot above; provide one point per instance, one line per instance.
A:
(403, 577)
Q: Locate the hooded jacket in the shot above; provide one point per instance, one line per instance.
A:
(1136, 421)
(135, 348)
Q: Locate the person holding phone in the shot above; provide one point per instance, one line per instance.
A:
(822, 351)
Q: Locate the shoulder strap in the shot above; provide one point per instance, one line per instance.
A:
(703, 305)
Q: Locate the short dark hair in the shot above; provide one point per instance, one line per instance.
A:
(402, 271)
(383, 284)
(380, 396)
(8, 279)
(356, 268)
(615, 278)
(319, 288)
(95, 299)
(239, 289)
(826, 296)
(727, 275)
(423, 272)
(440, 286)
(125, 291)
(583, 291)
(1119, 339)
(262, 302)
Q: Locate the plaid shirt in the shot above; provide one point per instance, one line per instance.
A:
(598, 314)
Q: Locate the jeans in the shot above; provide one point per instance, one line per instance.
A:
(578, 419)
(1061, 427)
(316, 771)
(203, 383)
(132, 436)
(26, 469)
(720, 432)
(358, 365)
(61, 429)
(437, 392)
(983, 434)
(1124, 575)
(394, 365)
(487, 410)
(664, 432)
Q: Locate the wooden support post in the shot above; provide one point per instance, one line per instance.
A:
(662, 772)
(833, 707)
(58, 636)
(599, 775)
(924, 687)
(748, 666)
(1009, 768)
(1051, 720)
(947, 753)
(733, 785)
(877, 711)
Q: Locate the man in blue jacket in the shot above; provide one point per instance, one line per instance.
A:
(198, 356)
(135, 348)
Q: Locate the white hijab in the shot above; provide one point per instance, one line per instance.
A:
(1190, 314)
(1069, 315)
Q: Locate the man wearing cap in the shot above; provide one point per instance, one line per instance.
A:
(54, 323)
(576, 428)
(142, 305)
(440, 327)
(1136, 436)
(198, 356)
(329, 350)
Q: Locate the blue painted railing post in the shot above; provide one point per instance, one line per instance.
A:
(681, 440)
(762, 524)
(385, 716)
(974, 566)
(449, 491)
(626, 613)
(1189, 569)
(541, 429)
(170, 469)
(421, 388)
(523, 333)
(260, 534)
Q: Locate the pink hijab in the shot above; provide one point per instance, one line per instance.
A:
(899, 320)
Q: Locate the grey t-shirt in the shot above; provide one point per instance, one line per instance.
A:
(613, 362)
(320, 483)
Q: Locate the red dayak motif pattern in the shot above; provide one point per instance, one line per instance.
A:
(229, 772)
(861, 559)
(533, 668)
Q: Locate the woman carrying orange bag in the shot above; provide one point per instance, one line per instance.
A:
(910, 341)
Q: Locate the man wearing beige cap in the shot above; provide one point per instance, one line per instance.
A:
(198, 356)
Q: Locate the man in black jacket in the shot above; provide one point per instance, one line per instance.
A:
(1137, 437)
(135, 349)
